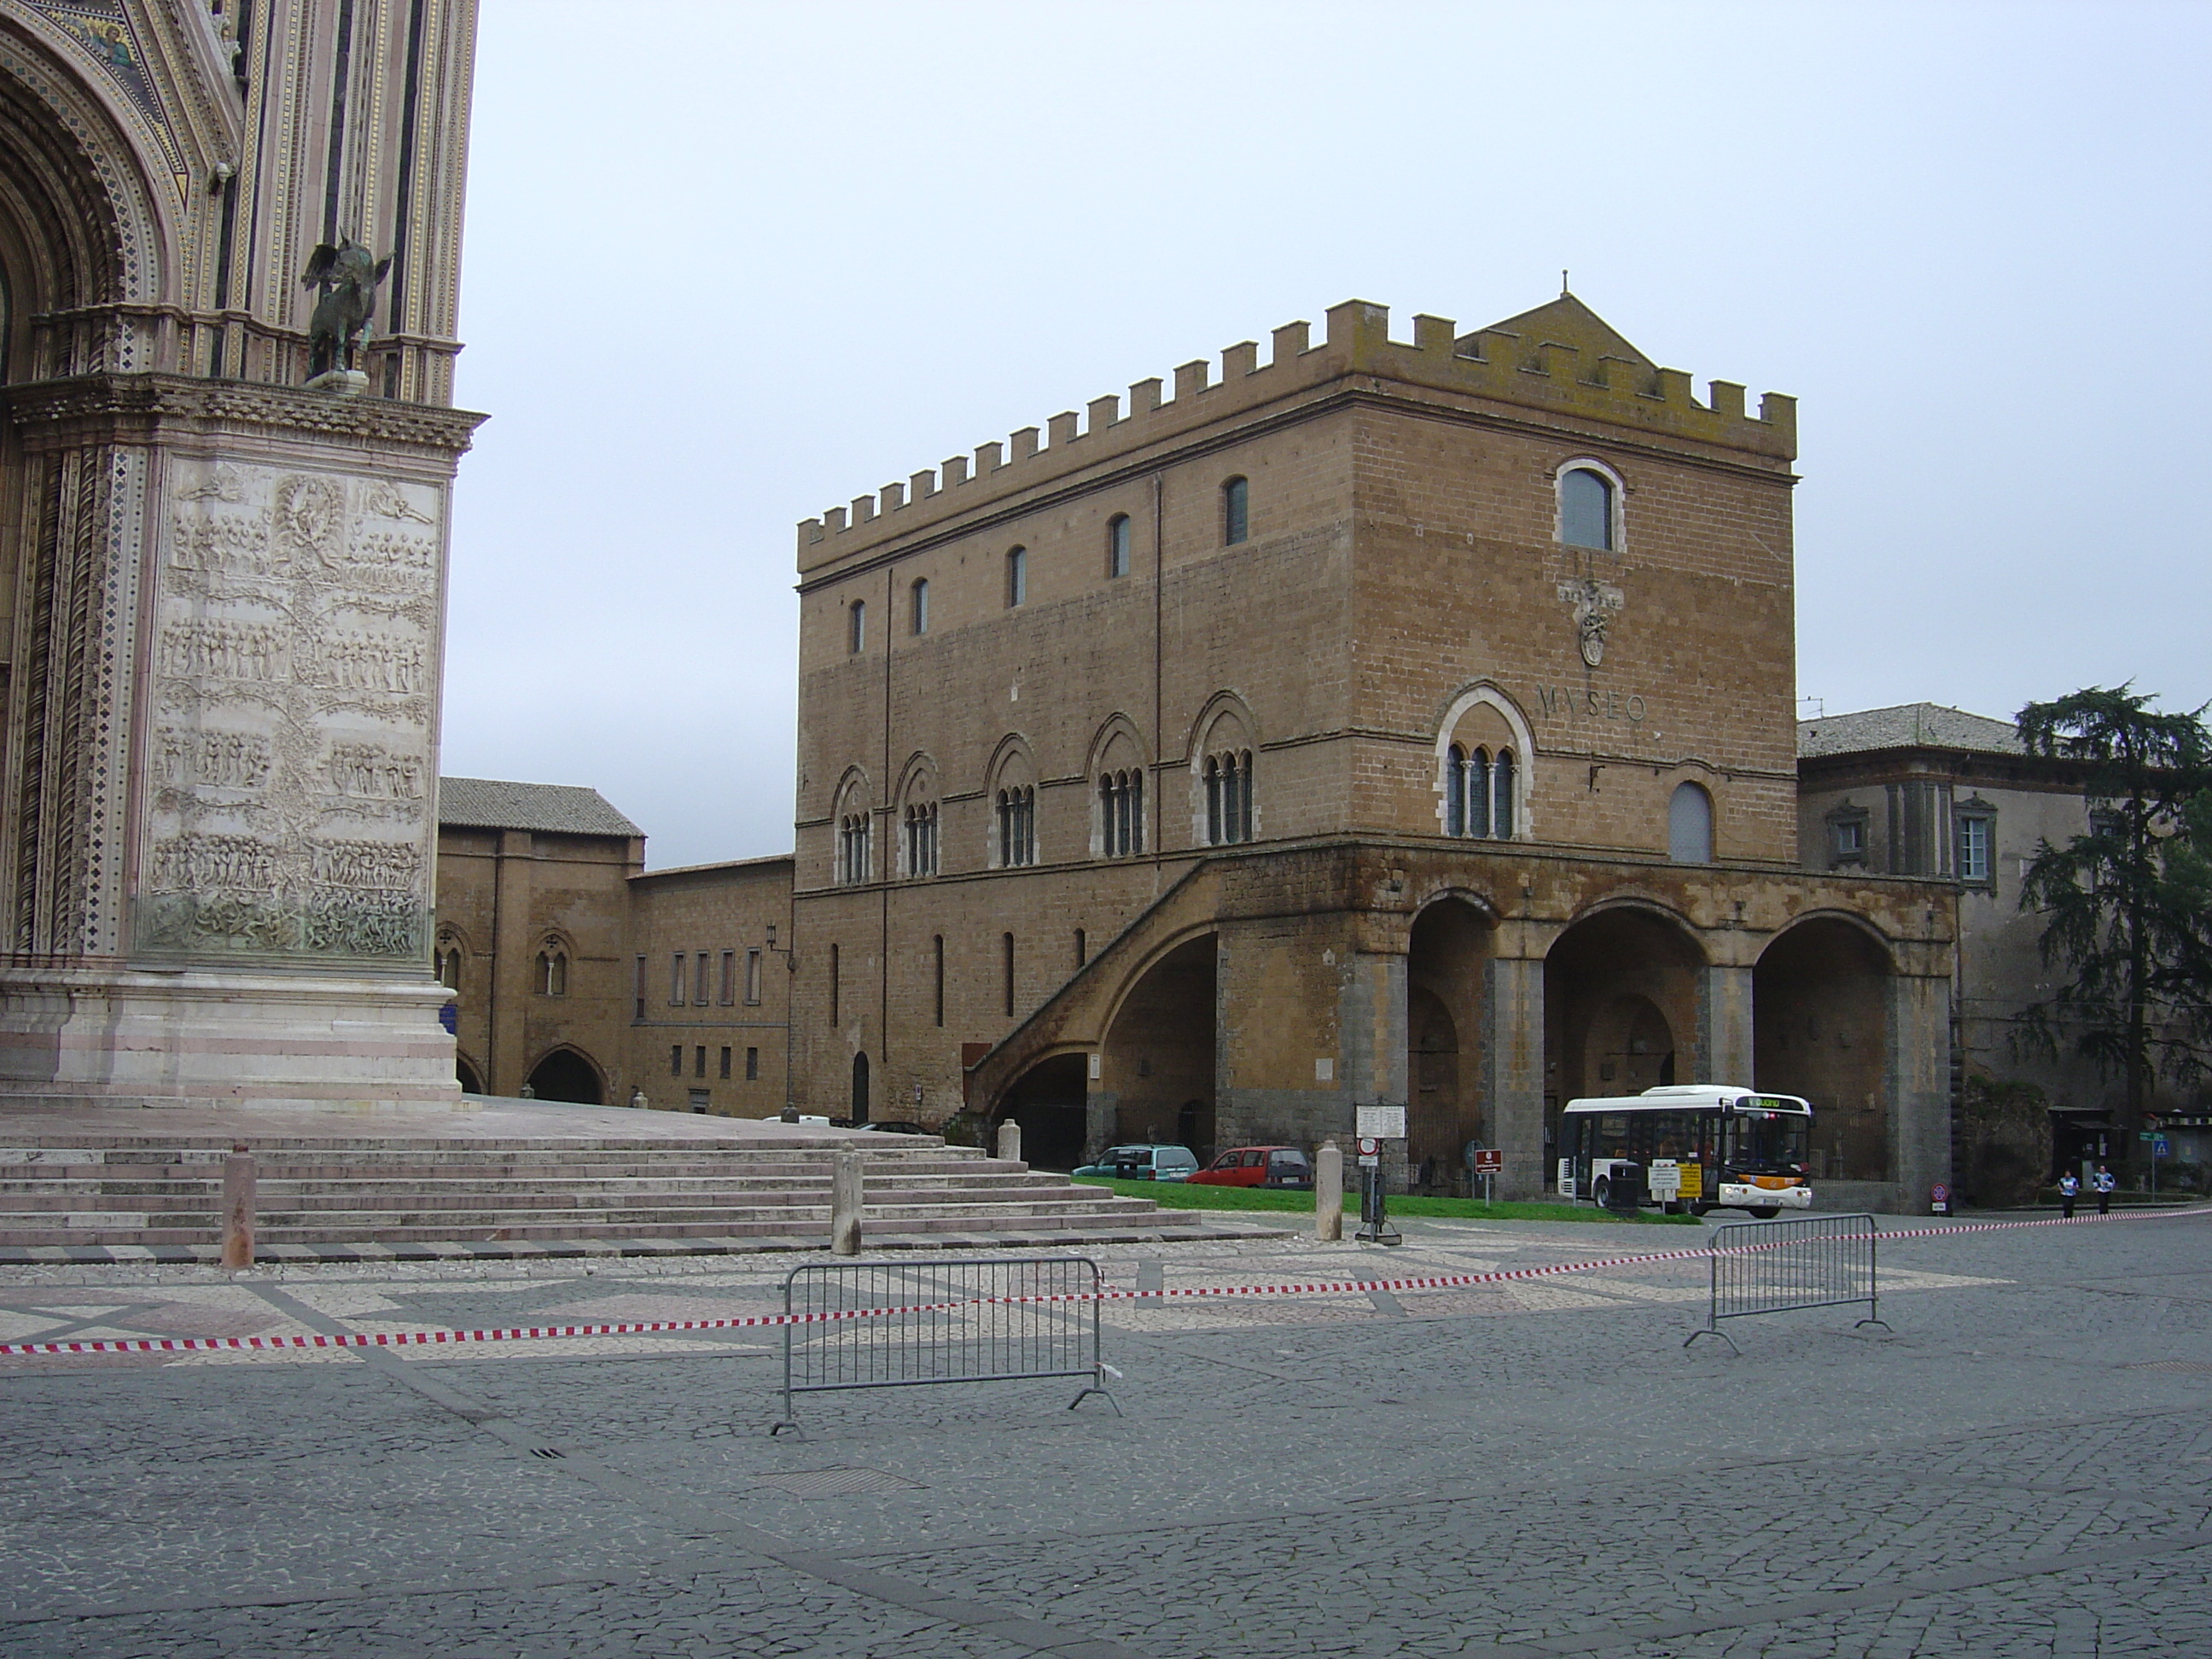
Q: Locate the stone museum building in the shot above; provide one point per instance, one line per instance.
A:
(1405, 717)
(575, 973)
(229, 245)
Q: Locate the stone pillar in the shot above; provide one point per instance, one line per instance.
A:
(1724, 1013)
(846, 1186)
(239, 1204)
(1513, 1052)
(1010, 1141)
(1919, 1087)
(1329, 1192)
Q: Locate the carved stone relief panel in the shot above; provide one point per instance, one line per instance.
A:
(294, 668)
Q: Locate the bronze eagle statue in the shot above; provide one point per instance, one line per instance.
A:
(348, 275)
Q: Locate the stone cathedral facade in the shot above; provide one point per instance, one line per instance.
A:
(1406, 718)
(223, 590)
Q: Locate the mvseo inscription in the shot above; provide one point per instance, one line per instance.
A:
(1588, 703)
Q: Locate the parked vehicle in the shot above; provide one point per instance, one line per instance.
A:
(1143, 1164)
(1718, 1148)
(1258, 1166)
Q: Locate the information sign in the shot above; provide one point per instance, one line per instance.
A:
(1380, 1122)
(1663, 1179)
(1487, 1160)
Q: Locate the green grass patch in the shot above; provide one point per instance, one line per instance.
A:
(1179, 1195)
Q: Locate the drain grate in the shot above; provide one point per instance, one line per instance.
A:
(837, 1483)
(2187, 1367)
(547, 1451)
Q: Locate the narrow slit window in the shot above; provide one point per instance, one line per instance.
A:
(919, 605)
(1117, 545)
(1235, 511)
(856, 627)
(1017, 576)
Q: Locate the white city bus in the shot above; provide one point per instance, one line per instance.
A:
(1693, 1146)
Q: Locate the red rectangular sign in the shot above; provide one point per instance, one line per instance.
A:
(1488, 1160)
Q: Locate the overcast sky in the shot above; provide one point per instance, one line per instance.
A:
(728, 265)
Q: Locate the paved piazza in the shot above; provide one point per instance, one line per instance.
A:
(2024, 1468)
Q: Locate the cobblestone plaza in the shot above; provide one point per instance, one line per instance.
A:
(2023, 1468)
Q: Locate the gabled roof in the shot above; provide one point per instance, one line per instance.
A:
(1907, 726)
(1567, 321)
(545, 808)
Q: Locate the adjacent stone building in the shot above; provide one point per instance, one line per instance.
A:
(1927, 791)
(223, 586)
(575, 973)
(1399, 720)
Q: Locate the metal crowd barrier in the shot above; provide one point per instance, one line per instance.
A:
(1779, 1267)
(941, 1321)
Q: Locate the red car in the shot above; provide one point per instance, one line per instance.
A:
(1257, 1166)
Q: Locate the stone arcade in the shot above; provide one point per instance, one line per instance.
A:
(225, 591)
(1401, 720)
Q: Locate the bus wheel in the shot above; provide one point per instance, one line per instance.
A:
(1602, 1192)
(1764, 1212)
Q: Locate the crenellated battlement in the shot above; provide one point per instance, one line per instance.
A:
(1560, 358)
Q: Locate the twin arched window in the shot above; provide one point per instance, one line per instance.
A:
(1478, 794)
(1586, 508)
(854, 866)
(921, 838)
(1229, 797)
(1017, 825)
(446, 962)
(1122, 813)
(553, 969)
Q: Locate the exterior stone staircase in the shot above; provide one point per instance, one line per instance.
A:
(65, 1193)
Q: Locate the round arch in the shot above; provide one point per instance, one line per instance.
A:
(1623, 985)
(566, 1073)
(1157, 1064)
(469, 1075)
(1448, 950)
(1820, 1024)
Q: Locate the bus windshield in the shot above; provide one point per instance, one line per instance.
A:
(1767, 1143)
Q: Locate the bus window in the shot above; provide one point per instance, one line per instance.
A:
(1767, 1143)
(1612, 1136)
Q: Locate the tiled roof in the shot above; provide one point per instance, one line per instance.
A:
(545, 808)
(1908, 726)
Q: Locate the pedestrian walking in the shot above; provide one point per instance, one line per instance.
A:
(2069, 1188)
(2102, 1184)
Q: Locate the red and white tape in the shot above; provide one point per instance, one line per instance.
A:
(757, 1321)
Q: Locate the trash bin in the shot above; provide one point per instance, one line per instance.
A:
(1626, 1193)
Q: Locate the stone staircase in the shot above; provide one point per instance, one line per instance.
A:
(327, 1196)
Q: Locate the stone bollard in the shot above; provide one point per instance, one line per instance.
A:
(238, 1181)
(845, 1187)
(1010, 1141)
(1328, 1191)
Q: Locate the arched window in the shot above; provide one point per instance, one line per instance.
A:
(859, 1088)
(1017, 825)
(1117, 545)
(921, 838)
(1122, 813)
(1690, 826)
(1229, 797)
(1456, 791)
(1235, 511)
(1501, 796)
(918, 605)
(553, 971)
(1586, 508)
(854, 866)
(446, 962)
(856, 627)
(1017, 576)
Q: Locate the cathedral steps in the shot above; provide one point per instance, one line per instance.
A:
(74, 1190)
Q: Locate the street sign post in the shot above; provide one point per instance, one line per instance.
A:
(1939, 1199)
(1374, 1125)
(1489, 1162)
(1663, 1179)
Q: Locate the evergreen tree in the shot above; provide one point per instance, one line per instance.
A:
(2125, 907)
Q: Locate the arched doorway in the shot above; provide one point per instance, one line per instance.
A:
(470, 1083)
(1156, 1073)
(1445, 1108)
(564, 1074)
(1049, 1101)
(860, 1113)
(1620, 1010)
(1819, 1026)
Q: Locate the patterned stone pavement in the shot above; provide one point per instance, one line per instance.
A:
(2024, 1468)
